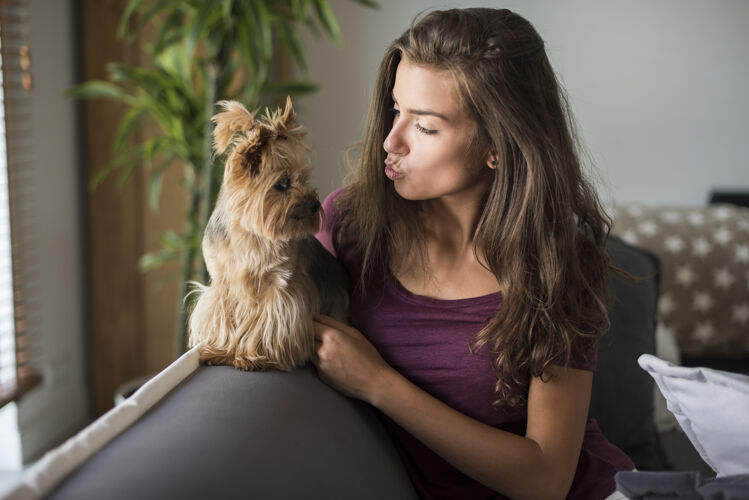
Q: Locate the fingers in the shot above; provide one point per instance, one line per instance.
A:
(327, 320)
(329, 333)
(326, 323)
(323, 324)
(319, 330)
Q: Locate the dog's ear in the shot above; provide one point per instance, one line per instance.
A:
(284, 122)
(257, 139)
(288, 118)
(234, 118)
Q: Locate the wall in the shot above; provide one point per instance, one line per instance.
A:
(658, 88)
(59, 406)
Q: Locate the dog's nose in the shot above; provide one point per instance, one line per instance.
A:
(313, 206)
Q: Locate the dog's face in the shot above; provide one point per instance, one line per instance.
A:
(267, 173)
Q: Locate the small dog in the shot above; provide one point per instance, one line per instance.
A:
(269, 275)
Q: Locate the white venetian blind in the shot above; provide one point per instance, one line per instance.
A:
(7, 327)
(16, 347)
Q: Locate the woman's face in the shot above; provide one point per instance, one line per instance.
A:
(428, 147)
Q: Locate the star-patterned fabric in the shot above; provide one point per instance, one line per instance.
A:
(704, 252)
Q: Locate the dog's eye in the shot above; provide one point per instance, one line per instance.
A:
(283, 184)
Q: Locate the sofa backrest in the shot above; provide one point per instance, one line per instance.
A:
(622, 399)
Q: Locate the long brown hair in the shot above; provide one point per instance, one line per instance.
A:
(542, 230)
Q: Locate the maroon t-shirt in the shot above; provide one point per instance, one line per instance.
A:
(427, 340)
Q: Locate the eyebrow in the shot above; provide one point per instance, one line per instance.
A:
(422, 112)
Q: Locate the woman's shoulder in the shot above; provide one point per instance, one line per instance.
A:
(330, 205)
(331, 220)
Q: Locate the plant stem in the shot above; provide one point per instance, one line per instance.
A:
(208, 173)
(187, 263)
(201, 202)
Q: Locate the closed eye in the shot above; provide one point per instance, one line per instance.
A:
(425, 130)
(396, 112)
(283, 184)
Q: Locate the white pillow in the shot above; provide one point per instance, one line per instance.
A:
(712, 407)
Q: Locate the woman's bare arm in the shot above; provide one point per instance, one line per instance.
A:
(539, 465)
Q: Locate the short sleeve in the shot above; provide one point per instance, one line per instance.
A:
(330, 223)
(584, 355)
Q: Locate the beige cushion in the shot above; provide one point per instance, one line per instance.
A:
(704, 254)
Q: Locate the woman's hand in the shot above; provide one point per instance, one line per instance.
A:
(346, 360)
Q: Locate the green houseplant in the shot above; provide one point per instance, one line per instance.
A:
(202, 51)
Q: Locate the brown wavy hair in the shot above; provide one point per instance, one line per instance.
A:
(542, 230)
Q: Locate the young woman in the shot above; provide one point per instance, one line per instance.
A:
(476, 250)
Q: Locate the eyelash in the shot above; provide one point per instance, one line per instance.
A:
(425, 130)
(421, 129)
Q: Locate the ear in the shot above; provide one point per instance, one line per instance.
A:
(491, 160)
(234, 118)
(288, 118)
(258, 138)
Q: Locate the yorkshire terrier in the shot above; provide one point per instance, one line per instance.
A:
(269, 275)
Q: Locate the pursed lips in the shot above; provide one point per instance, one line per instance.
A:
(391, 165)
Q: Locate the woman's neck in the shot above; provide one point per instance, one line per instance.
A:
(450, 222)
(453, 270)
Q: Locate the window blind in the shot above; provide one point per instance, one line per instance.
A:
(17, 353)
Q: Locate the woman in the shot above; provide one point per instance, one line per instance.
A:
(476, 249)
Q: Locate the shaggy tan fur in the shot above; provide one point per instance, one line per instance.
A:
(265, 265)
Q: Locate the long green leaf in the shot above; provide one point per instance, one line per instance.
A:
(127, 127)
(265, 30)
(100, 89)
(154, 260)
(142, 155)
(171, 124)
(196, 27)
(226, 11)
(299, 10)
(174, 61)
(225, 77)
(367, 3)
(174, 241)
(309, 22)
(130, 9)
(292, 43)
(150, 80)
(158, 6)
(157, 176)
(100, 175)
(247, 49)
(169, 32)
(124, 160)
(126, 172)
(328, 20)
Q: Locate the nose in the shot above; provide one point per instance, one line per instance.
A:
(313, 206)
(394, 142)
